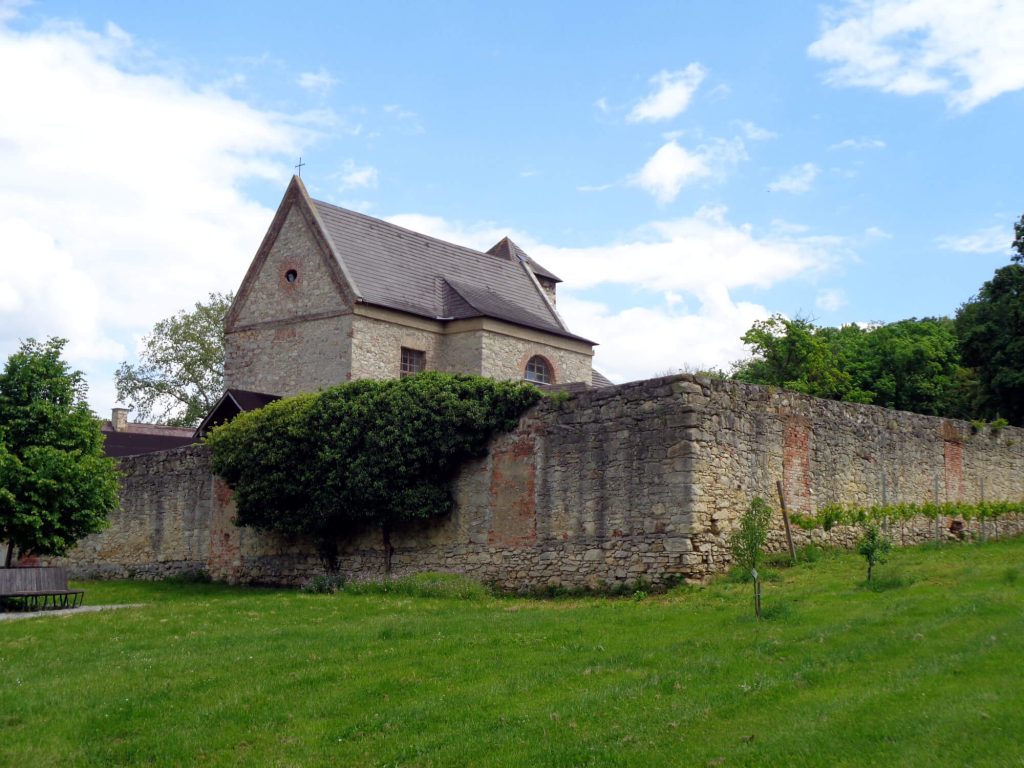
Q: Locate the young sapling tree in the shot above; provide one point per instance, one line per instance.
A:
(874, 546)
(747, 543)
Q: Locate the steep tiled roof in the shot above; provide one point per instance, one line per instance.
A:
(400, 269)
(598, 379)
(506, 248)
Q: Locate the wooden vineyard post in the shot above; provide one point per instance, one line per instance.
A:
(981, 517)
(785, 519)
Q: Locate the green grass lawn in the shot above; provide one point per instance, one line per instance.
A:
(929, 671)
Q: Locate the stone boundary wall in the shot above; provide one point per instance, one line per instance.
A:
(828, 452)
(642, 481)
(163, 526)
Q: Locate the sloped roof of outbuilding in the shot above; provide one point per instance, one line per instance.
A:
(136, 439)
(232, 403)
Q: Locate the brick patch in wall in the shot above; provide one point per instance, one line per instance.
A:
(953, 460)
(513, 498)
(225, 536)
(796, 465)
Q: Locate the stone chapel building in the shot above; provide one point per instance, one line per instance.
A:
(333, 295)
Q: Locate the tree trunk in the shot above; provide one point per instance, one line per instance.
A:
(870, 564)
(388, 550)
(757, 597)
(327, 548)
(10, 554)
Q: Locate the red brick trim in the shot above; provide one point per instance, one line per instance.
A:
(556, 375)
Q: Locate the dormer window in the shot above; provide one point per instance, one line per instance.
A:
(538, 370)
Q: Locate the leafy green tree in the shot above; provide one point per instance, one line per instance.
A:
(747, 543)
(1018, 241)
(180, 374)
(874, 546)
(793, 354)
(991, 331)
(368, 454)
(911, 365)
(914, 365)
(55, 483)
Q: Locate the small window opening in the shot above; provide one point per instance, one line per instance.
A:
(538, 370)
(291, 275)
(413, 361)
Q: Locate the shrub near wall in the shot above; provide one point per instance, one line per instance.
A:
(368, 454)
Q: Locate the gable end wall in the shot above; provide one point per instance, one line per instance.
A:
(288, 338)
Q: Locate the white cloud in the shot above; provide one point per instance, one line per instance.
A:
(693, 254)
(602, 105)
(668, 169)
(120, 193)
(969, 52)
(787, 227)
(593, 187)
(319, 81)
(830, 300)
(859, 144)
(9, 9)
(355, 177)
(877, 233)
(755, 132)
(988, 240)
(796, 180)
(640, 342)
(672, 97)
(672, 167)
(701, 257)
(408, 119)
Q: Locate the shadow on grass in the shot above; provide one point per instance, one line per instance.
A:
(776, 611)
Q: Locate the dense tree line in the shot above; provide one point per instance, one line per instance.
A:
(968, 367)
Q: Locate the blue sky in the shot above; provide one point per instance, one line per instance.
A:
(686, 168)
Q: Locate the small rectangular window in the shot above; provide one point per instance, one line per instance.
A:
(413, 361)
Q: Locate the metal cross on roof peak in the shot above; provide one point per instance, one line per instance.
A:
(299, 167)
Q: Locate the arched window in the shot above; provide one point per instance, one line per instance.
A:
(538, 370)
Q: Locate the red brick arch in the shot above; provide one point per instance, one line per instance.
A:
(556, 375)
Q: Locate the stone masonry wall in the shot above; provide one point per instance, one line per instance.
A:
(377, 347)
(505, 357)
(163, 526)
(289, 358)
(827, 452)
(638, 482)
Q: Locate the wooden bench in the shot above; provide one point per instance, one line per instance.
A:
(37, 589)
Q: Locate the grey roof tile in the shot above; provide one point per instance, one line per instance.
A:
(397, 268)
